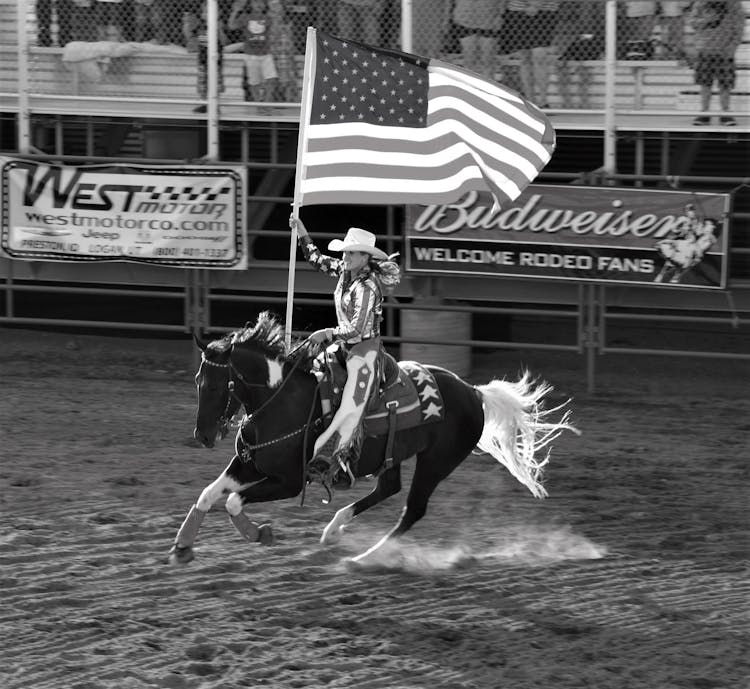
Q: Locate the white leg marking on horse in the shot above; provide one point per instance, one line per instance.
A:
(234, 504)
(215, 490)
(335, 528)
(361, 557)
(275, 373)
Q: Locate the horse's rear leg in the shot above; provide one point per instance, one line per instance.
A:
(389, 483)
(423, 485)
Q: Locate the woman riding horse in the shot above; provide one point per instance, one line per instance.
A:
(363, 273)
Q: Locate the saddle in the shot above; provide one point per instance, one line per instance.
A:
(406, 394)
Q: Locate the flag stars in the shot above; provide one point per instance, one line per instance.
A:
(347, 76)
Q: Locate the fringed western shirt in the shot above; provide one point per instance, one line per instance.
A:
(359, 301)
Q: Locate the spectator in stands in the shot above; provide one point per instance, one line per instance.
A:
(77, 20)
(254, 23)
(282, 49)
(578, 39)
(195, 32)
(478, 23)
(529, 30)
(148, 21)
(640, 21)
(43, 11)
(359, 20)
(718, 26)
(116, 18)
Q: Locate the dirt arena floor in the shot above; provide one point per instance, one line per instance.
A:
(631, 575)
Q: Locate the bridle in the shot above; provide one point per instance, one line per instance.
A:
(226, 416)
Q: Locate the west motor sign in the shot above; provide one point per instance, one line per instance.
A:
(622, 235)
(185, 216)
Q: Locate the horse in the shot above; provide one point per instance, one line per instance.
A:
(280, 391)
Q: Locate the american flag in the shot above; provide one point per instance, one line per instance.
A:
(382, 126)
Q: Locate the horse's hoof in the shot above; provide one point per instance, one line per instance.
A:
(331, 536)
(181, 555)
(265, 534)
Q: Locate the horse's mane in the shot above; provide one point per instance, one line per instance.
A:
(266, 334)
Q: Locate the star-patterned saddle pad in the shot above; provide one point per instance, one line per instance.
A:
(418, 397)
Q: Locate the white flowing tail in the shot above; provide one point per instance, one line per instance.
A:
(516, 428)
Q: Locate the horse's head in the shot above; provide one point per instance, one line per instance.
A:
(244, 367)
(216, 402)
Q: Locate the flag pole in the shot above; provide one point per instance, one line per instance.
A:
(308, 79)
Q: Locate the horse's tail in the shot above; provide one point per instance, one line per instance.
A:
(516, 428)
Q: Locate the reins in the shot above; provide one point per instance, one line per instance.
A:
(284, 381)
(250, 447)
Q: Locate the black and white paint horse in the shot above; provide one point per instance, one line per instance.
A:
(275, 441)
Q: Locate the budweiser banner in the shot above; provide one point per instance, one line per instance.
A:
(187, 216)
(607, 234)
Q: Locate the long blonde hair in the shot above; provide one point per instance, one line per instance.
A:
(387, 272)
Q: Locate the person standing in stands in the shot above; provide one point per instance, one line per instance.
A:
(254, 24)
(529, 29)
(478, 23)
(718, 26)
(195, 32)
(640, 21)
(359, 20)
(77, 20)
(282, 49)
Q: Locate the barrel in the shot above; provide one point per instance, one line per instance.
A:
(434, 327)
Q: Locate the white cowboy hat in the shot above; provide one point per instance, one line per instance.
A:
(357, 239)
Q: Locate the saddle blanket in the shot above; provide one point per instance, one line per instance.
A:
(414, 390)
(418, 397)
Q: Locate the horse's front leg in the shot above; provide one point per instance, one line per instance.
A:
(250, 531)
(267, 489)
(232, 479)
(389, 483)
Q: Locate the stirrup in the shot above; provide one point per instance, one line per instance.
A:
(324, 475)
